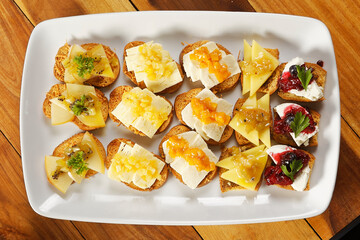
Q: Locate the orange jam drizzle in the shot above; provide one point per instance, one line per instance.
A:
(205, 111)
(179, 147)
(211, 61)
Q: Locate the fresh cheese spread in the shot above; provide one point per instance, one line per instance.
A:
(135, 164)
(188, 154)
(143, 110)
(207, 114)
(82, 64)
(153, 65)
(210, 65)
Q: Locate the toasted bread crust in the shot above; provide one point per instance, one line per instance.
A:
(115, 99)
(97, 81)
(224, 86)
(59, 151)
(183, 99)
(226, 185)
(141, 84)
(174, 131)
(311, 165)
(113, 148)
(319, 76)
(271, 84)
(57, 89)
(288, 140)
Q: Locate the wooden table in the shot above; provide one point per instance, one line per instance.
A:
(19, 221)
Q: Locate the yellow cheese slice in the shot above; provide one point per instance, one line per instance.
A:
(95, 161)
(247, 59)
(261, 56)
(252, 136)
(63, 182)
(59, 115)
(77, 177)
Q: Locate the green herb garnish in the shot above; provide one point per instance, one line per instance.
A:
(85, 65)
(295, 166)
(77, 162)
(79, 106)
(304, 76)
(301, 121)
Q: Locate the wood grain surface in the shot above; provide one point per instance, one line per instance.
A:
(19, 221)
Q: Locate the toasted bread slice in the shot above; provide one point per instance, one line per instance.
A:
(141, 84)
(182, 100)
(319, 76)
(98, 81)
(226, 185)
(113, 148)
(59, 151)
(311, 165)
(174, 131)
(115, 99)
(57, 89)
(240, 139)
(288, 140)
(271, 85)
(224, 86)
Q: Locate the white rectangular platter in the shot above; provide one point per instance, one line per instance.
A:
(100, 199)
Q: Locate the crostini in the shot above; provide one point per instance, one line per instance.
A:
(149, 66)
(202, 110)
(91, 63)
(212, 64)
(259, 69)
(295, 125)
(83, 105)
(190, 160)
(140, 110)
(80, 156)
(302, 81)
(135, 166)
(242, 167)
(290, 168)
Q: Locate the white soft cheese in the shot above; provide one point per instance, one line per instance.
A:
(276, 149)
(302, 177)
(190, 175)
(302, 138)
(313, 92)
(192, 68)
(134, 62)
(294, 61)
(207, 131)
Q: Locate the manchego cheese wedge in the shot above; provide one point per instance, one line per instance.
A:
(95, 161)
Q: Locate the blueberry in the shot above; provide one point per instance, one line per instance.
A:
(293, 71)
(289, 119)
(287, 159)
